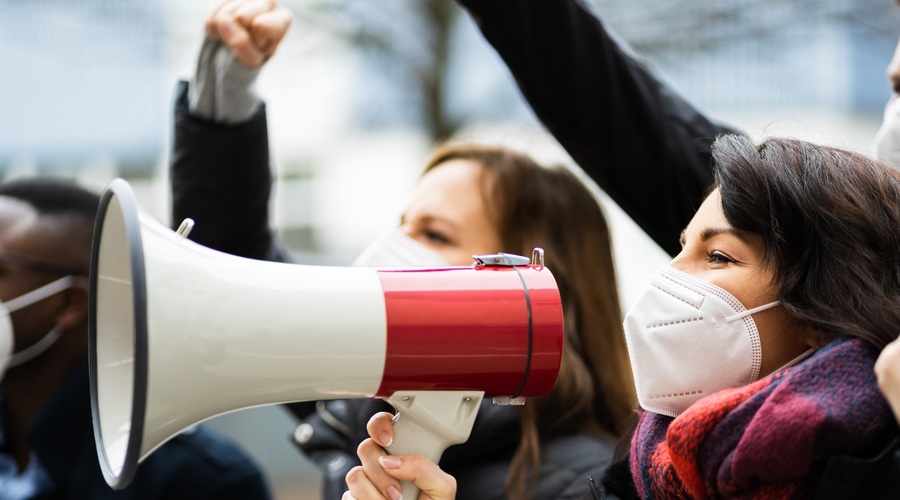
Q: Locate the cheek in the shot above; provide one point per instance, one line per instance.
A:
(485, 240)
(29, 326)
(456, 256)
(756, 289)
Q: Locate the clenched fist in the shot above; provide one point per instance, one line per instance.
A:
(251, 29)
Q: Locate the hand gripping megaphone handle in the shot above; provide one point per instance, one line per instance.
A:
(427, 422)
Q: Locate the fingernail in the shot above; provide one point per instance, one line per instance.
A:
(390, 462)
(385, 438)
(394, 492)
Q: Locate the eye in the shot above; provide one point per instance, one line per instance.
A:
(717, 257)
(436, 237)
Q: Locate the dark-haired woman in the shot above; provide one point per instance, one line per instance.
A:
(753, 352)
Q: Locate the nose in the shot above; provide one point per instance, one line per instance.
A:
(680, 262)
(407, 229)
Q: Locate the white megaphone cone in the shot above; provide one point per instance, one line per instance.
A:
(180, 333)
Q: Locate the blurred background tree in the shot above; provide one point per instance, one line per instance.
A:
(409, 47)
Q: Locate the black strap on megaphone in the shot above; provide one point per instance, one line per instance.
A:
(505, 259)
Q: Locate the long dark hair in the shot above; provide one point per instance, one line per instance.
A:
(830, 220)
(534, 206)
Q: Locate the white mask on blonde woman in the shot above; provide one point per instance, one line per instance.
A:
(394, 248)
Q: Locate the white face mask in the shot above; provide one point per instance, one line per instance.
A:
(394, 248)
(687, 339)
(887, 140)
(7, 335)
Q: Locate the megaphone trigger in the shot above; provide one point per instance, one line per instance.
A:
(427, 422)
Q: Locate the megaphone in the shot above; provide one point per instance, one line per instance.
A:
(180, 333)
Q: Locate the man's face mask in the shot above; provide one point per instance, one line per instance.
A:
(8, 356)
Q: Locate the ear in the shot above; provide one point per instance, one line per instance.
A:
(73, 310)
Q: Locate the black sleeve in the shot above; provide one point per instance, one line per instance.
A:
(334, 430)
(221, 178)
(644, 145)
(854, 477)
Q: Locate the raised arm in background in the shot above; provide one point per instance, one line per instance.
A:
(635, 137)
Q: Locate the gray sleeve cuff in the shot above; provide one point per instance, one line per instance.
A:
(223, 89)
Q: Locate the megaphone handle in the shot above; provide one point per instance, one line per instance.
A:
(427, 422)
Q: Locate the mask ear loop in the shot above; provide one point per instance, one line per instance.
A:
(40, 293)
(755, 310)
(34, 350)
(37, 295)
(805, 354)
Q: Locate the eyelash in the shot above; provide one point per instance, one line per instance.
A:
(719, 258)
(437, 237)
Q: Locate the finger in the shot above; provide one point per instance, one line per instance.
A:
(360, 486)
(886, 365)
(249, 9)
(371, 456)
(381, 428)
(425, 474)
(887, 369)
(240, 43)
(269, 28)
(218, 10)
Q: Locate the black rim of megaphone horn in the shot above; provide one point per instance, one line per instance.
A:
(120, 189)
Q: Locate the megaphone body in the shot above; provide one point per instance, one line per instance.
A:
(180, 333)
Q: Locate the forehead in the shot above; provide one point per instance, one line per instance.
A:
(709, 214)
(20, 232)
(451, 190)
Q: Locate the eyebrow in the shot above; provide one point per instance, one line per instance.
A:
(711, 232)
(429, 219)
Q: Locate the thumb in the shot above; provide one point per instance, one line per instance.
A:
(425, 474)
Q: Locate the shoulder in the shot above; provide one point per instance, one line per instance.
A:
(577, 456)
(568, 461)
(565, 464)
(862, 477)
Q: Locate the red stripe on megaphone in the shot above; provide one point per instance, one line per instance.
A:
(467, 328)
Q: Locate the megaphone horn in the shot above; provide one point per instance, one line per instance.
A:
(180, 333)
